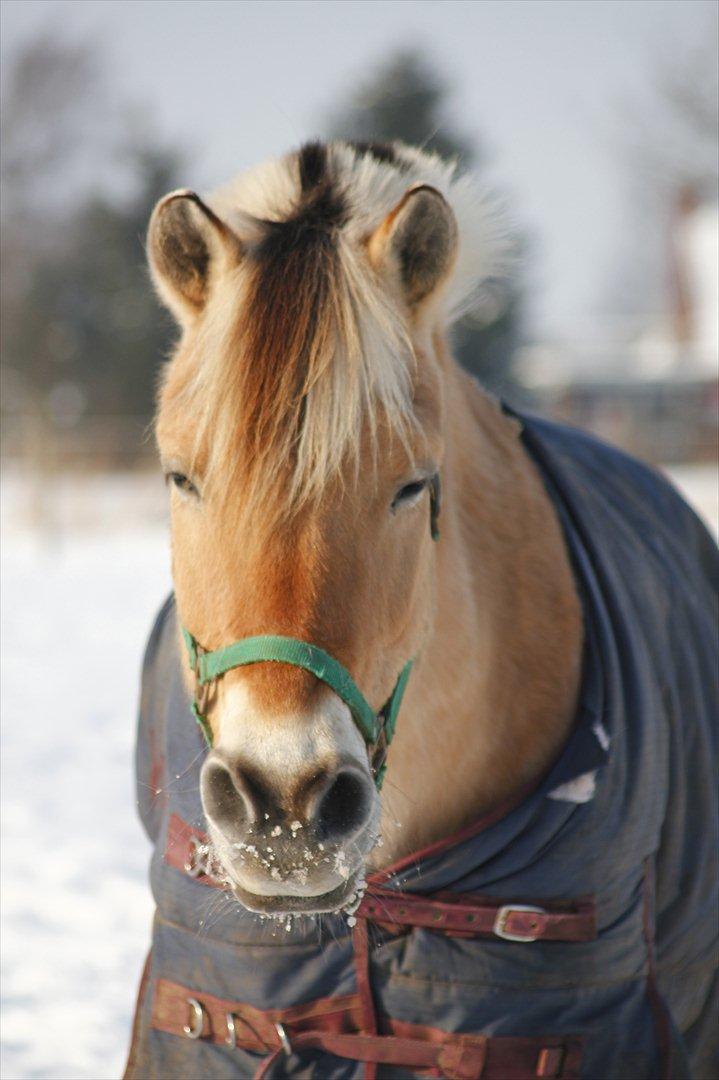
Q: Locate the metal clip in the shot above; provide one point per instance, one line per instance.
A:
(503, 915)
(231, 1037)
(284, 1041)
(193, 1030)
(202, 696)
(202, 689)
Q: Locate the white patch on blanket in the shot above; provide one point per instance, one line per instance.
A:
(601, 732)
(579, 790)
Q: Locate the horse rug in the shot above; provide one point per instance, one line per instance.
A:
(571, 934)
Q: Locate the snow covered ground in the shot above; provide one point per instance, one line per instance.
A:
(84, 567)
(699, 484)
(76, 908)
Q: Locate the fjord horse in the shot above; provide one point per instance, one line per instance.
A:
(455, 671)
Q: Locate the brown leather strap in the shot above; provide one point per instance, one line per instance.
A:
(255, 1028)
(360, 948)
(465, 915)
(333, 1026)
(455, 1063)
(456, 914)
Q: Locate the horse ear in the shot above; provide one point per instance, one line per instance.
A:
(417, 241)
(186, 243)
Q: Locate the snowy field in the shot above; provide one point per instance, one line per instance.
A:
(76, 609)
(84, 567)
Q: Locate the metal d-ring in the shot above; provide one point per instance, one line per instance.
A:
(284, 1041)
(193, 1030)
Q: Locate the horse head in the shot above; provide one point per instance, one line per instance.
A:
(301, 425)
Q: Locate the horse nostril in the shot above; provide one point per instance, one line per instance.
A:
(344, 807)
(224, 799)
(236, 799)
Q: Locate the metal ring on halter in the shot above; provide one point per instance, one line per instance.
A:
(193, 1030)
(231, 1037)
(284, 1041)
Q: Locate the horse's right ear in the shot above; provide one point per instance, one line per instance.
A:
(186, 244)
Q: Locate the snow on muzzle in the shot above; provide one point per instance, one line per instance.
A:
(292, 808)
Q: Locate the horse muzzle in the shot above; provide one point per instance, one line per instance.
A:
(293, 846)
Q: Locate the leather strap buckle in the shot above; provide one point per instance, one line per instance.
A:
(503, 915)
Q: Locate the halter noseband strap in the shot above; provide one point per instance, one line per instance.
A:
(377, 729)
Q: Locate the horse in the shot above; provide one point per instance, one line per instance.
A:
(383, 624)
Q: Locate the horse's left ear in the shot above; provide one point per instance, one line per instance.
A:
(417, 243)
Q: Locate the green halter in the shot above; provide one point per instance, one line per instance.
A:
(377, 729)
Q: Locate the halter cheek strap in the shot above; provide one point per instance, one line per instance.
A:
(377, 729)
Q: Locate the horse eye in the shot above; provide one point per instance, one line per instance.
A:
(182, 483)
(409, 492)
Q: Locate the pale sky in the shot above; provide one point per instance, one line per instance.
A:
(541, 84)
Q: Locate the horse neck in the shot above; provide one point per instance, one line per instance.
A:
(494, 695)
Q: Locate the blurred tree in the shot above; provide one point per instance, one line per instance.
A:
(405, 99)
(46, 114)
(100, 329)
(81, 334)
(666, 139)
(672, 133)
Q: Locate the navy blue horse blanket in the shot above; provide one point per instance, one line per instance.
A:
(612, 973)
